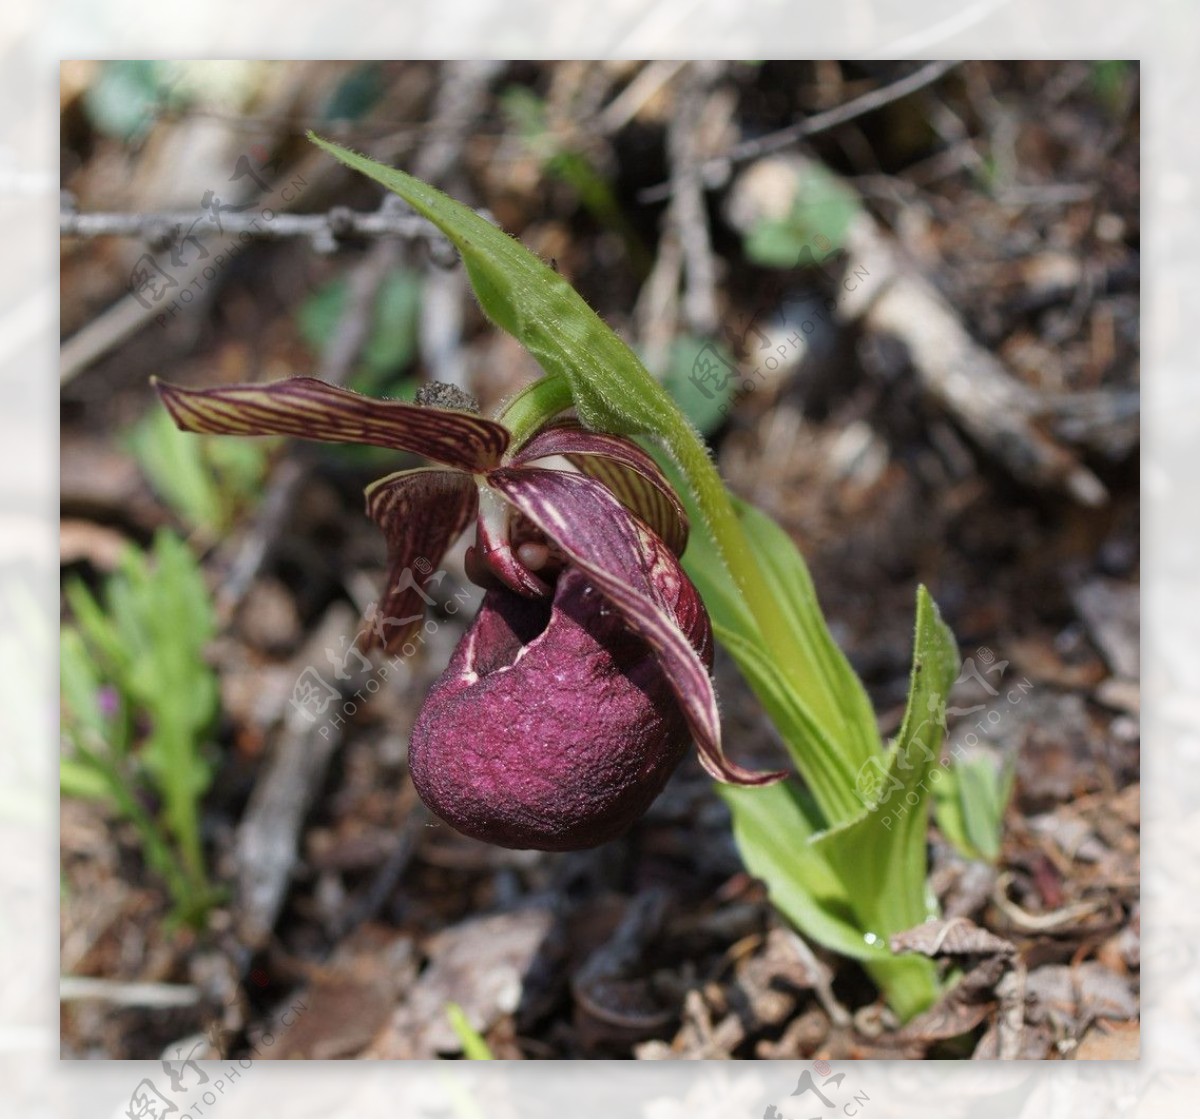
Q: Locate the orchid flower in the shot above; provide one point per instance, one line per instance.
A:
(570, 700)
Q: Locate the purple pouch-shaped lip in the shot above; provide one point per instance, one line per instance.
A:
(553, 726)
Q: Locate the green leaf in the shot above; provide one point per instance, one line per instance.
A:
(822, 209)
(818, 758)
(883, 851)
(884, 848)
(970, 800)
(147, 641)
(774, 828)
(528, 299)
(828, 724)
(837, 697)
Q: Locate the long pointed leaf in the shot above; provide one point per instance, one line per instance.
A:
(822, 764)
(818, 748)
(883, 850)
(837, 698)
(612, 389)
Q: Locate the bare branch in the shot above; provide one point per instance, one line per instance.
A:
(324, 230)
(718, 167)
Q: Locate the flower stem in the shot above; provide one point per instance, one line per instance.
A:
(535, 405)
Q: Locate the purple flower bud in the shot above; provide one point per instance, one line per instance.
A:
(554, 725)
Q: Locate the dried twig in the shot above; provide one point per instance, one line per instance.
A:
(123, 994)
(653, 77)
(716, 170)
(324, 230)
(687, 204)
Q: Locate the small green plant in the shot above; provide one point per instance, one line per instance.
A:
(205, 482)
(138, 700)
(844, 858)
(970, 801)
(474, 1046)
(821, 212)
(1111, 78)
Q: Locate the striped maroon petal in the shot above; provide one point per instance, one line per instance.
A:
(628, 471)
(641, 577)
(421, 512)
(312, 409)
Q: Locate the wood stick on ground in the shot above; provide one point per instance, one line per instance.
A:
(268, 838)
(892, 297)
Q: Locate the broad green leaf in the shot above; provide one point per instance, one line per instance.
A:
(885, 846)
(838, 698)
(829, 725)
(883, 851)
(818, 758)
(773, 829)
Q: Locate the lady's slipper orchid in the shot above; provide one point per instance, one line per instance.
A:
(569, 701)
